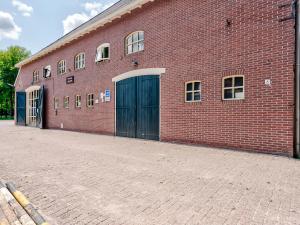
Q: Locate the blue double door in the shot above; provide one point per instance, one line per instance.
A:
(137, 107)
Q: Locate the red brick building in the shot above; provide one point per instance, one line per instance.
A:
(217, 73)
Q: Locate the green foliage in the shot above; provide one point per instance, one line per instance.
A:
(8, 73)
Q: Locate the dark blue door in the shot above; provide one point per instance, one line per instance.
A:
(21, 108)
(137, 107)
(126, 108)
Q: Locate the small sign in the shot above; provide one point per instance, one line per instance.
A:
(107, 95)
(70, 80)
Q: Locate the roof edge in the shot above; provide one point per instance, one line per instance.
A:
(114, 12)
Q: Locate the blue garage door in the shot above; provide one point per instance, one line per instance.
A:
(137, 107)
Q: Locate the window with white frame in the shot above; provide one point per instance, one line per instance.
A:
(193, 91)
(233, 87)
(47, 71)
(90, 100)
(134, 42)
(61, 67)
(56, 103)
(103, 52)
(79, 61)
(66, 102)
(35, 76)
(77, 101)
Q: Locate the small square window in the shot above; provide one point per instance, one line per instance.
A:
(233, 88)
(193, 91)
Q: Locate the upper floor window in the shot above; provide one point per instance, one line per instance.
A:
(80, 61)
(102, 52)
(135, 42)
(47, 71)
(90, 100)
(35, 76)
(233, 87)
(193, 91)
(61, 67)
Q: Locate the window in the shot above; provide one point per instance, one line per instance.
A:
(66, 102)
(35, 77)
(80, 61)
(193, 91)
(90, 100)
(77, 101)
(55, 103)
(102, 52)
(61, 67)
(47, 71)
(135, 42)
(233, 88)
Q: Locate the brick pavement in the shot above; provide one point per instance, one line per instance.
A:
(77, 178)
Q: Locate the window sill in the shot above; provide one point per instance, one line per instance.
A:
(134, 53)
(191, 102)
(76, 70)
(102, 61)
(61, 74)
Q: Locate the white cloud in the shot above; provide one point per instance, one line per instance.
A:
(91, 9)
(8, 28)
(73, 21)
(24, 9)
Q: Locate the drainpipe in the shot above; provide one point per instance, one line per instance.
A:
(297, 81)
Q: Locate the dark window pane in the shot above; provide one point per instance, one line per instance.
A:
(239, 93)
(189, 97)
(189, 87)
(228, 94)
(105, 53)
(228, 82)
(239, 81)
(197, 96)
(197, 86)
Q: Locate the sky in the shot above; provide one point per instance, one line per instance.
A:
(34, 24)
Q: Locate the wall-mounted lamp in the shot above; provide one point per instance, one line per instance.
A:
(135, 62)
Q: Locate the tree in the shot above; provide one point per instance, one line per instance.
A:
(8, 73)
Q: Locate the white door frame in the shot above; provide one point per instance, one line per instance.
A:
(28, 91)
(138, 73)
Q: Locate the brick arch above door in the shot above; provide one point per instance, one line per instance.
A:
(139, 72)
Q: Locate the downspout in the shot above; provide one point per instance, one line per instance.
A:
(297, 80)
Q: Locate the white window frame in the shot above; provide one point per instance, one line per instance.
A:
(35, 76)
(100, 52)
(90, 100)
(61, 67)
(233, 88)
(78, 101)
(66, 102)
(79, 61)
(48, 73)
(130, 43)
(193, 91)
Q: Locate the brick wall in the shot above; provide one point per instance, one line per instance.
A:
(193, 41)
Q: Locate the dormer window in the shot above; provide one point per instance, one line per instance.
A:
(47, 71)
(103, 52)
(134, 42)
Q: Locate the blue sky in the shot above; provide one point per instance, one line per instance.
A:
(34, 24)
